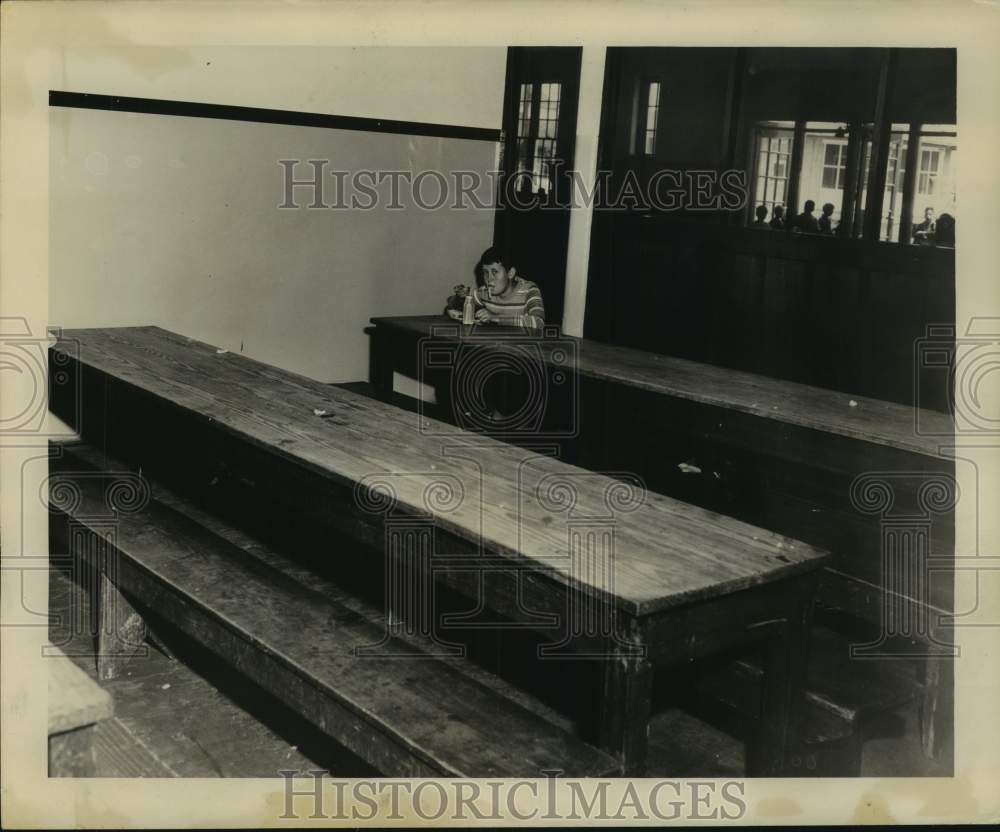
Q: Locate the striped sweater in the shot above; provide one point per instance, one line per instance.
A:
(521, 305)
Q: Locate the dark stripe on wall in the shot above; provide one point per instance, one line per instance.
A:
(162, 107)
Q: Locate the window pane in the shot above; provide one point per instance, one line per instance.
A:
(771, 165)
(651, 119)
(831, 178)
(931, 221)
(524, 112)
(537, 133)
(892, 198)
(823, 177)
(652, 115)
(523, 162)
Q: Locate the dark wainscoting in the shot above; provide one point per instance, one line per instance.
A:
(842, 314)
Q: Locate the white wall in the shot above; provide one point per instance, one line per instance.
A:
(588, 125)
(174, 221)
(449, 85)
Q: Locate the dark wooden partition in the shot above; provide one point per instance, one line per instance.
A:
(845, 311)
(848, 311)
(843, 314)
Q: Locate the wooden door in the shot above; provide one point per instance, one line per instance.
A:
(539, 128)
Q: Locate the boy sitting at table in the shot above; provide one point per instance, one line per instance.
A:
(502, 296)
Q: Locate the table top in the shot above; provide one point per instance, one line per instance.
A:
(829, 411)
(516, 503)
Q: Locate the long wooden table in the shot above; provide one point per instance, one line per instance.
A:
(804, 461)
(783, 455)
(396, 343)
(634, 579)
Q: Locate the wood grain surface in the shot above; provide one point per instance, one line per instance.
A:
(510, 501)
(830, 411)
(418, 717)
(75, 700)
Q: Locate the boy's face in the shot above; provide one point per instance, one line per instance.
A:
(496, 277)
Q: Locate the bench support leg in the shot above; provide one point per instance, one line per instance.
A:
(625, 711)
(937, 708)
(774, 749)
(121, 630)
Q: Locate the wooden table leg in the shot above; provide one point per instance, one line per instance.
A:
(444, 407)
(771, 751)
(380, 364)
(625, 711)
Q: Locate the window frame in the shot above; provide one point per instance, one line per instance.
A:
(928, 177)
(899, 160)
(532, 172)
(839, 167)
(651, 132)
(771, 133)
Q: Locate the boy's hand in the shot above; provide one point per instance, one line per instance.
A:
(483, 316)
(454, 313)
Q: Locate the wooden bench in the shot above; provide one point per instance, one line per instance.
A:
(635, 580)
(421, 717)
(850, 474)
(846, 702)
(77, 705)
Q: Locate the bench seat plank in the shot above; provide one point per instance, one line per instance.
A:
(419, 717)
(77, 707)
(75, 700)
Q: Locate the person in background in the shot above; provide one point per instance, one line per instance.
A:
(778, 218)
(503, 296)
(944, 233)
(761, 213)
(824, 221)
(923, 232)
(806, 222)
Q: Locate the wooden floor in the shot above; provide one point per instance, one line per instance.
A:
(182, 717)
